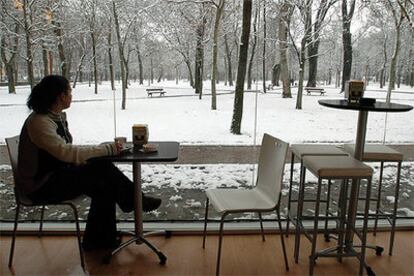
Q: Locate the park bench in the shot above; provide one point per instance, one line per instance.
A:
(155, 90)
(309, 90)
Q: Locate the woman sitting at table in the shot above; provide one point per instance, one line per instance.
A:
(52, 169)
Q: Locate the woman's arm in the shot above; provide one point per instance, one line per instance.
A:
(42, 132)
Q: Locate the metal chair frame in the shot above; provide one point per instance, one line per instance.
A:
(268, 140)
(340, 249)
(12, 146)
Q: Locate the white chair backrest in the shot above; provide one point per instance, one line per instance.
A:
(13, 148)
(271, 166)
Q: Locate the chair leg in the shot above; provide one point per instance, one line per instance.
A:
(205, 223)
(220, 242)
(292, 164)
(328, 199)
(261, 226)
(78, 233)
(365, 228)
(315, 228)
(342, 216)
(42, 213)
(16, 218)
(299, 212)
(282, 240)
(394, 213)
(378, 198)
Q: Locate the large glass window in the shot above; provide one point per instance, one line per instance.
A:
(171, 46)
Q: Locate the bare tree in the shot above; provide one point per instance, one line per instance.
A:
(121, 54)
(89, 10)
(398, 16)
(229, 61)
(9, 42)
(313, 48)
(347, 15)
(286, 10)
(241, 69)
(305, 10)
(253, 48)
(110, 58)
(82, 54)
(264, 48)
(199, 51)
(176, 30)
(219, 10)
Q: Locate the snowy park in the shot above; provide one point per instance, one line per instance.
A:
(181, 116)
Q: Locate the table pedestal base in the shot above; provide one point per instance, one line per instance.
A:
(343, 251)
(139, 240)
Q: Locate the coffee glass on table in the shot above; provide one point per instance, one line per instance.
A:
(121, 141)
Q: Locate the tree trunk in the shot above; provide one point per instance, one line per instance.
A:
(45, 61)
(347, 66)
(126, 63)
(393, 65)
(29, 52)
(11, 63)
(241, 70)
(219, 11)
(95, 66)
(252, 51)
(228, 55)
(399, 76)
(347, 41)
(121, 54)
(301, 73)
(140, 66)
(160, 75)
(283, 48)
(330, 76)
(366, 74)
(10, 78)
(313, 50)
(63, 63)
(79, 69)
(264, 48)
(176, 75)
(199, 57)
(226, 77)
(306, 13)
(275, 74)
(151, 71)
(190, 72)
(110, 59)
(337, 78)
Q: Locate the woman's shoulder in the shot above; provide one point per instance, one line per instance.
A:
(38, 119)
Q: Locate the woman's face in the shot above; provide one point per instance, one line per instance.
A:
(67, 98)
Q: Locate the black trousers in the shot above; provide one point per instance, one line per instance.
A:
(104, 183)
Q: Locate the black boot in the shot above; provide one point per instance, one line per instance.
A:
(150, 203)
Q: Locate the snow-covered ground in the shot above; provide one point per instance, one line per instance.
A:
(181, 116)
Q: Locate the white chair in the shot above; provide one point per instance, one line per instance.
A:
(265, 197)
(21, 200)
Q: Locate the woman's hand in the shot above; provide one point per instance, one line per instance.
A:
(118, 147)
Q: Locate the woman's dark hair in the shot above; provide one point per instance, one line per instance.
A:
(46, 92)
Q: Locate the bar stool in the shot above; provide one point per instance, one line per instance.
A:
(382, 153)
(333, 167)
(299, 151)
